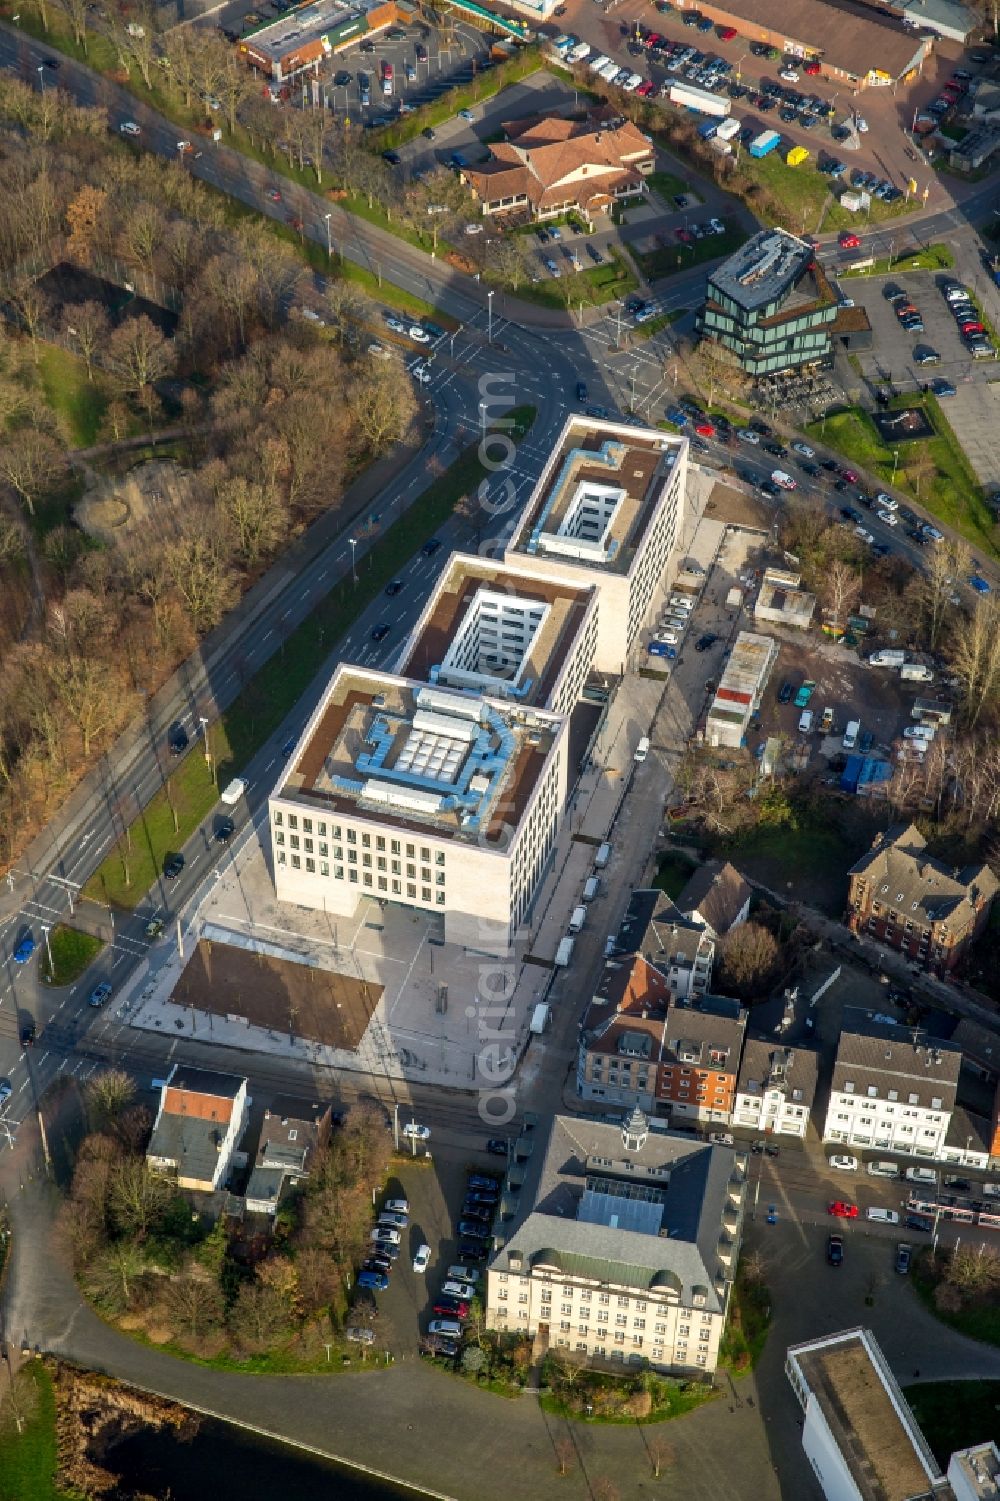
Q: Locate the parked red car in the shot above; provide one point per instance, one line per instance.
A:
(972, 328)
(842, 1210)
(685, 236)
(811, 69)
(848, 240)
(704, 429)
(727, 33)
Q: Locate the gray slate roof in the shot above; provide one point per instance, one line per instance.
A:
(694, 1180)
(918, 885)
(189, 1141)
(772, 1065)
(718, 893)
(885, 1058)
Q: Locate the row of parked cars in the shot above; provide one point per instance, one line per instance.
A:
(451, 1307)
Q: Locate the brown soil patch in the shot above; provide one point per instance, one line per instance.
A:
(316, 1004)
(153, 497)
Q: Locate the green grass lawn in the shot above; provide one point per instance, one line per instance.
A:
(79, 402)
(979, 1318)
(808, 854)
(954, 1414)
(803, 197)
(921, 258)
(72, 951)
(949, 489)
(674, 871)
(668, 186)
(748, 1324)
(124, 876)
(667, 260)
(28, 1458)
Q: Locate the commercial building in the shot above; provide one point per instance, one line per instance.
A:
(306, 36)
(606, 512)
(443, 801)
(891, 1090)
(858, 1432)
(771, 304)
(907, 899)
(854, 43)
(292, 1133)
(549, 165)
(740, 690)
(622, 1245)
(776, 1088)
(514, 635)
(198, 1123)
(780, 601)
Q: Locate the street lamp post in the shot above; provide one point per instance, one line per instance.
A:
(329, 240)
(482, 418)
(354, 544)
(489, 307)
(48, 947)
(41, 77)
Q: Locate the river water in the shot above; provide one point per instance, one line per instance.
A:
(224, 1463)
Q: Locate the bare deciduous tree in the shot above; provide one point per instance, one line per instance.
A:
(976, 656)
(749, 957)
(841, 591)
(86, 324)
(32, 463)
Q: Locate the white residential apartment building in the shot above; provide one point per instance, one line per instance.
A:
(775, 1089)
(623, 1247)
(442, 801)
(607, 511)
(891, 1089)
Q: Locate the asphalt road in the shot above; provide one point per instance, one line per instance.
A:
(537, 367)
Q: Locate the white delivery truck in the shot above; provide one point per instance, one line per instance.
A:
(232, 794)
(728, 129)
(887, 658)
(702, 101)
(564, 953)
(602, 857)
(916, 672)
(578, 919)
(540, 1018)
(591, 887)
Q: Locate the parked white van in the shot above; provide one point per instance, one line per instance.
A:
(602, 857)
(883, 1170)
(642, 749)
(925, 1175)
(805, 721)
(591, 887)
(851, 734)
(882, 1216)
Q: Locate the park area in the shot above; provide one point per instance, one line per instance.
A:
(933, 470)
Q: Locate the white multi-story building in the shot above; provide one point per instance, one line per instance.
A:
(442, 801)
(499, 631)
(891, 1090)
(623, 1246)
(606, 512)
(775, 1089)
(858, 1432)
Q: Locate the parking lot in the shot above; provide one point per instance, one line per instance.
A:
(434, 1188)
(893, 356)
(854, 691)
(974, 415)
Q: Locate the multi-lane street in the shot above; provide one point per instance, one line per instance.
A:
(542, 359)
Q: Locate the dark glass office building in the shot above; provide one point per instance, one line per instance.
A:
(772, 305)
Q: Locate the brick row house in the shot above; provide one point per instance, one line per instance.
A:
(904, 897)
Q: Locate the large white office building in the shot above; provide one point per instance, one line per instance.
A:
(441, 785)
(607, 511)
